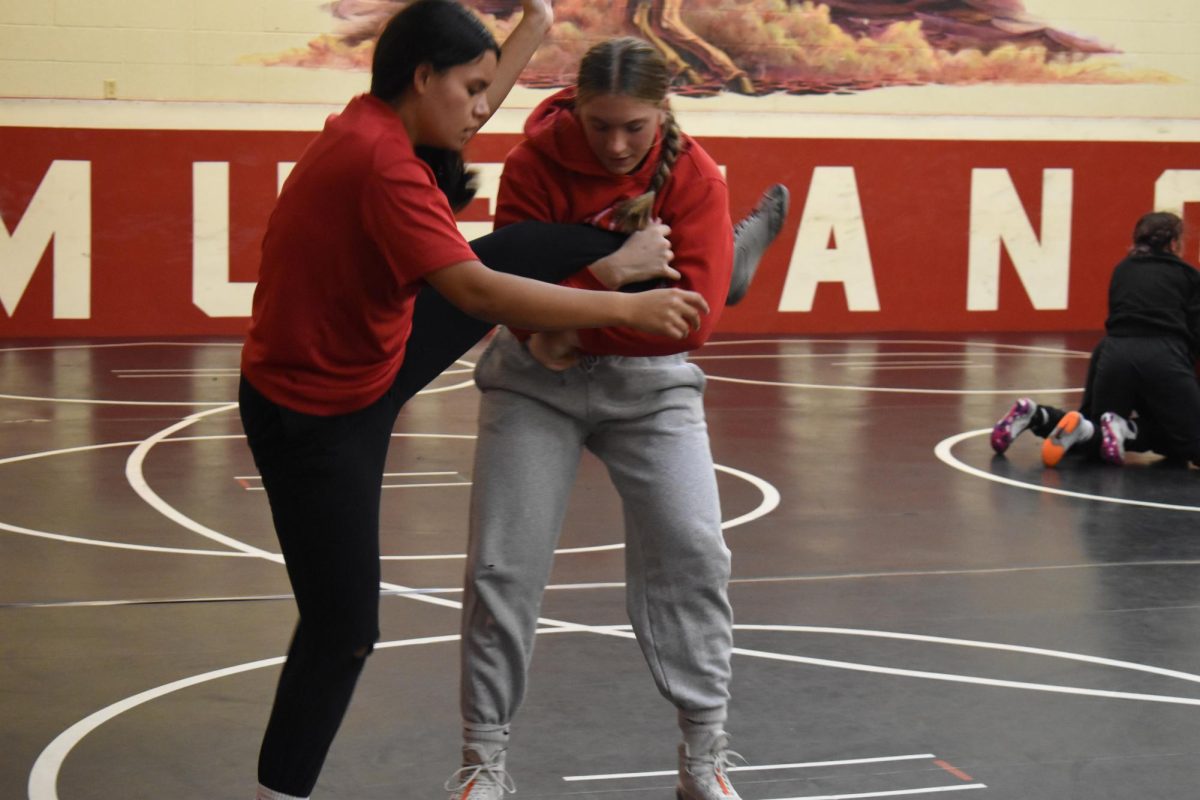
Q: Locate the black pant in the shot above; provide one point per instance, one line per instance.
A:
(1155, 376)
(323, 478)
(1152, 375)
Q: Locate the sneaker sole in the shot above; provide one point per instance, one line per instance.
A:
(679, 795)
(1002, 433)
(1052, 452)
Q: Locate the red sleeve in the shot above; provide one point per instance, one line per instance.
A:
(529, 197)
(702, 239)
(411, 222)
(536, 196)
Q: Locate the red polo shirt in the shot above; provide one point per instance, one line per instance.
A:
(357, 226)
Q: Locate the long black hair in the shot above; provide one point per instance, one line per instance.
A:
(443, 34)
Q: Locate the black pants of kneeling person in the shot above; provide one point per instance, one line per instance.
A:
(323, 478)
(1152, 375)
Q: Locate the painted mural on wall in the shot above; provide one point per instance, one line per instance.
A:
(773, 46)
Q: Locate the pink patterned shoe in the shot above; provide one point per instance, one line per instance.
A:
(1114, 432)
(1012, 424)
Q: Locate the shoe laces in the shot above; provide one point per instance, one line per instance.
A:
(720, 757)
(489, 771)
(767, 205)
(745, 221)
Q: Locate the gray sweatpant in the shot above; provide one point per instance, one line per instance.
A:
(644, 418)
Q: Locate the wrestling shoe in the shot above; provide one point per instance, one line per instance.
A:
(481, 777)
(1114, 432)
(1072, 429)
(703, 776)
(753, 235)
(1013, 424)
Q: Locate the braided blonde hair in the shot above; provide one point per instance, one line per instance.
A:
(631, 67)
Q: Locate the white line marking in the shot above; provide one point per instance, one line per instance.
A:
(971, 348)
(899, 390)
(118, 345)
(62, 537)
(757, 767)
(923, 367)
(879, 355)
(176, 370)
(136, 479)
(856, 576)
(424, 485)
(63, 451)
(970, 679)
(162, 375)
(990, 346)
(467, 366)
(390, 486)
(466, 436)
(84, 401)
(943, 452)
(258, 477)
(893, 793)
(43, 778)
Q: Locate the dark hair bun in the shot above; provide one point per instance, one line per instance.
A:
(1155, 232)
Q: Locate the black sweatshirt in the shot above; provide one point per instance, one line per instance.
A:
(1155, 294)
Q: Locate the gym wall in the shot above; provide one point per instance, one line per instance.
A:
(951, 168)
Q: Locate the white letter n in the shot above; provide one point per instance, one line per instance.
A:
(999, 220)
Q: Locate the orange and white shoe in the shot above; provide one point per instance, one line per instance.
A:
(704, 775)
(482, 776)
(1072, 429)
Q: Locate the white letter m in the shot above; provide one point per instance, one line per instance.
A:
(61, 210)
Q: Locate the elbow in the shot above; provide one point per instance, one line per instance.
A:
(473, 298)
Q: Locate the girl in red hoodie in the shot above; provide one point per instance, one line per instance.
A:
(607, 152)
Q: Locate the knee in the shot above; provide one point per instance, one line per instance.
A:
(333, 648)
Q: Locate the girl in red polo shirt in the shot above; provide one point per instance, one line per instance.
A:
(359, 227)
(610, 154)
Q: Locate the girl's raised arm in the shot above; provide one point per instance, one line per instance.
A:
(519, 47)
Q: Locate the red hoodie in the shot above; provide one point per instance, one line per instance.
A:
(553, 176)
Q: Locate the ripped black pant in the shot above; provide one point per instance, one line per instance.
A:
(323, 477)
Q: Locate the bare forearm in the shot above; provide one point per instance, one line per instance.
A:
(523, 303)
(518, 48)
(509, 300)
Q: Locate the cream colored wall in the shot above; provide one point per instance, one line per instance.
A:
(164, 50)
(205, 50)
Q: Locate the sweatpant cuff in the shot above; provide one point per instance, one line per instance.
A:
(704, 717)
(479, 732)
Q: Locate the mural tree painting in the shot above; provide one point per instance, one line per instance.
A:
(766, 46)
